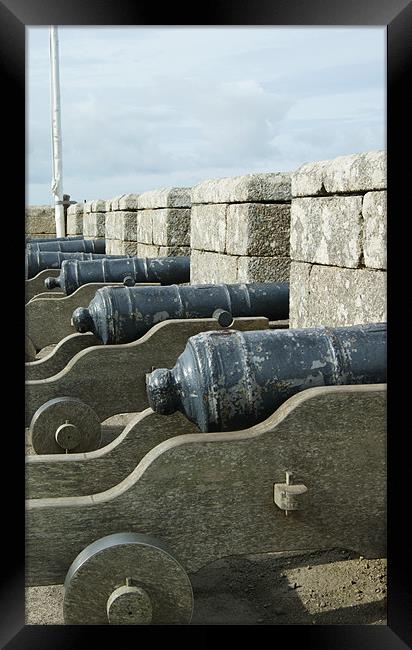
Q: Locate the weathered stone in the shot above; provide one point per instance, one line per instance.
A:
(208, 227)
(263, 269)
(257, 229)
(110, 244)
(121, 225)
(40, 220)
(145, 250)
(251, 187)
(144, 226)
(336, 297)
(212, 268)
(87, 207)
(299, 295)
(98, 206)
(119, 247)
(171, 226)
(75, 219)
(168, 197)
(374, 234)
(355, 173)
(327, 230)
(128, 202)
(94, 224)
(41, 235)
(115, 202)
(172, 251)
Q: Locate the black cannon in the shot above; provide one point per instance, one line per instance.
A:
(70, 246)
(37, 240)
(124, 314)
(165, 270)
(229, 380)
(37, 260)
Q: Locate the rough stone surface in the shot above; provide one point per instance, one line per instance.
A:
(128, 202)
(212, 268)
(119, 247)
(147, 250)
(331, 296)
(40, 220)
(327, 230)
(121, 225)
(172, 251)
(144, 226)
(374, 234)
(168, 197)
(263, 187)
(115, 202)
(87, 206)
(94, 224)
(257, 229)
(171, 226)
(99, 205)
(263, 269)
(208, 227)
(75, 219)
(355, 173)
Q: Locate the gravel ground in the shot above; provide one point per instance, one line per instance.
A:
(328, 588)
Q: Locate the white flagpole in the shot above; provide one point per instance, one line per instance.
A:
(57, 180)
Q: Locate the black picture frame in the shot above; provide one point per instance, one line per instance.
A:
(15, 15)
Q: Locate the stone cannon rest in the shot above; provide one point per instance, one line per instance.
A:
(166, 270)
(230, 380)
(124, 314)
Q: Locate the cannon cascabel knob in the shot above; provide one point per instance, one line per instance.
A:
(82, 320)
(162, 396)
(223, 317)
(52, 283)
(228, 380)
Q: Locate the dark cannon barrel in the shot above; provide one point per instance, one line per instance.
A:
(37, 240)
(229, 380)
(71, 246)
(124, 314)
(37, 260)
(166, 270)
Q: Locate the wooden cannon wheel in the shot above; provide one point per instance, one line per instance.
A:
(65, 424)
(127, 579)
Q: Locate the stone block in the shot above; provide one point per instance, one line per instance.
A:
(145, 250)
(359, 172)
(168, 197)
(327, 230)
(172, 251)
(118, 247)
(299, 294)
(87, 207)
(374, 232)
(40, 220)
(94, 225)
(171, 226)
(263, 269)
(212, 268)
(336, 297)
(75, 219)
(128, 202)
(208, 227)
(144, 226)
(257, 229)
(121, 225)
(98, 206)
(265, 187)
(115, 202)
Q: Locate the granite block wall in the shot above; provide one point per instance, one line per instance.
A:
(240, 229)
(338, 241)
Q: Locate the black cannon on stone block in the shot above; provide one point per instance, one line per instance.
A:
(37, 240)
(165, 270)
(124, 314)
(38, 260)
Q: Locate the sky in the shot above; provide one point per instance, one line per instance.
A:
(150, 107)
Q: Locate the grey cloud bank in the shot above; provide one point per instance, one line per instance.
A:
(149, 107)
